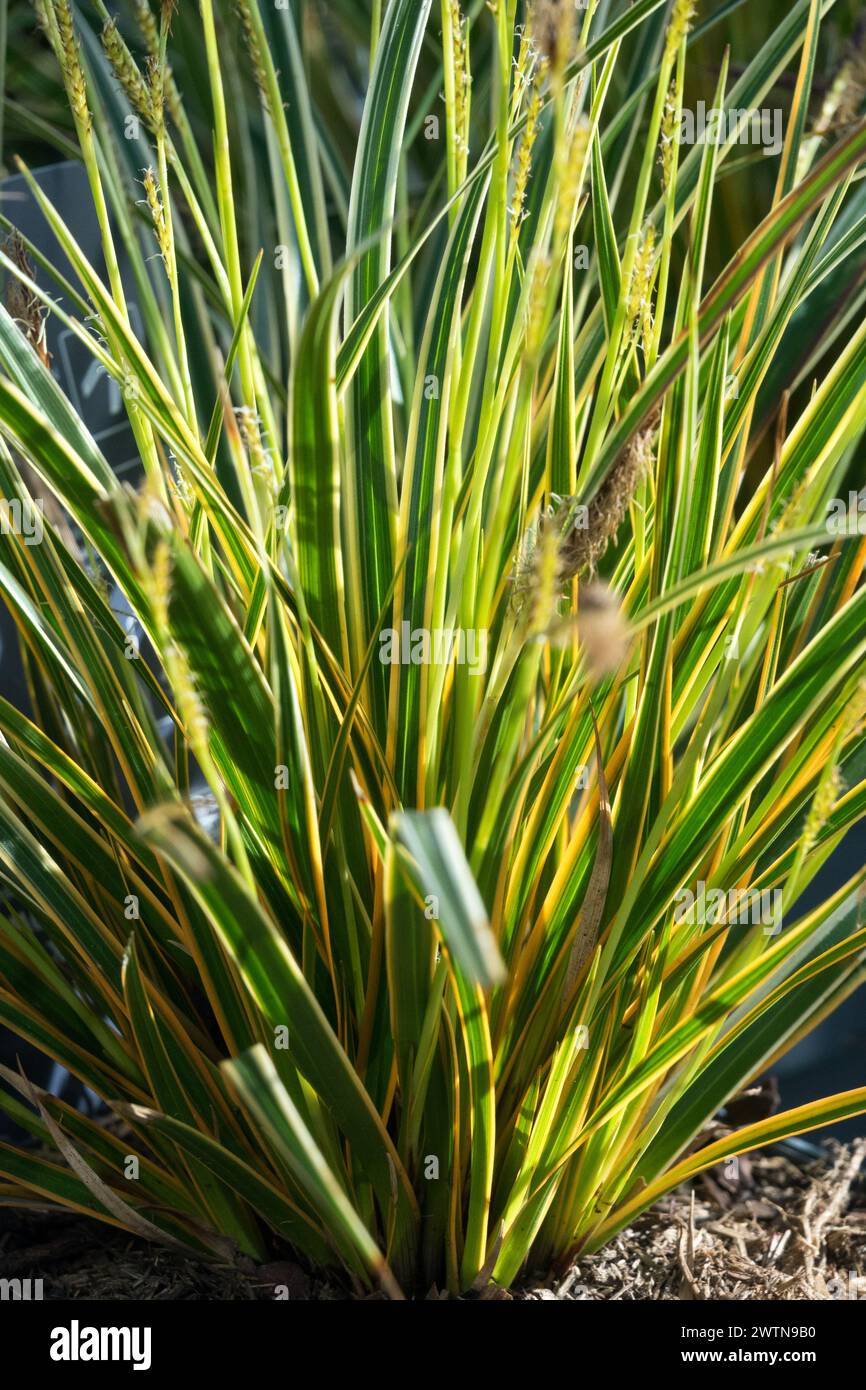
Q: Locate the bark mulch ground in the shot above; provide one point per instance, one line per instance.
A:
(764, 1229)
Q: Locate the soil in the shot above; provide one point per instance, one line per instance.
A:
(765, 1228)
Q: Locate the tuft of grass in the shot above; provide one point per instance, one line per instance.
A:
(408, 831)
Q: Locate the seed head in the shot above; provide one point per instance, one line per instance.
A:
(462, 78)
(583, 547)
(537, 303)
(554, 32)
(537, 588)
(852, 82)
(261, 461)
(680, 25)
(792, 513)
(127, 72)
(189, 705)
(570, 161)
(147, 24)
(252, 41)
(70, 62)
(639, 306)
(602, 630)
(829, 790)
(22, 305)
(668, 138)
(524, 161)
(150, 32)
(157, 212)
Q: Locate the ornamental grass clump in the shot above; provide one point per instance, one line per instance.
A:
(426, 957)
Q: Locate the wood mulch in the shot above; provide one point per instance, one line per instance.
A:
(764, 1229)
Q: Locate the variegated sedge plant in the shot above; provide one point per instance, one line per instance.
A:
(423, 1006)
